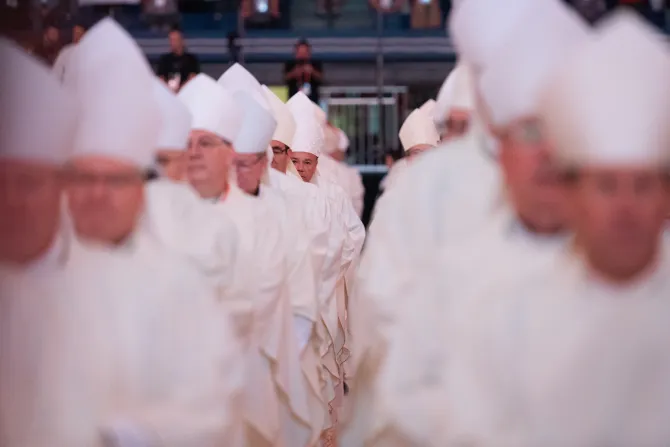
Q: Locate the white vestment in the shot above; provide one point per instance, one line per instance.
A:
(334, 328)
(564, 358)
(401, 394)
(125, 343)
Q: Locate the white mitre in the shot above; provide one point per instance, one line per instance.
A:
(114, 86)
(516, 74)
(457, 92)
(175, 118)
(282, 114)
(609, 105)
(477, 27)
(237, 78)
(417, 129)
(213, 108)
(309, 136)
(258, 126)
(38, 117)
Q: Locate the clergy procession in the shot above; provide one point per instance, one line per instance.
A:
(190, 269)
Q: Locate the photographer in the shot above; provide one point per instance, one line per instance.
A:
(303, 73)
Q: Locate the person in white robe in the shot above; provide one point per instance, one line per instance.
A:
(40, 118)
(271, 345)
(299, 289)
(577, 351)
(350, 179)
(112, 369)
(305, 232)
(171, 145)
(176, 216)
(305, 153)
(527, 223)
(417, 135)
(39, 122)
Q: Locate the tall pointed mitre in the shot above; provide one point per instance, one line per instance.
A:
(213, 108)
(282, 114)
(175, 118)
(38, 117)
(302, 108)
(237, 78)
(309, 136)
(114, 86)
(457, 92)
(418, 129)
(609, 104)
(258, 126)
(516, 74)
(476, 27)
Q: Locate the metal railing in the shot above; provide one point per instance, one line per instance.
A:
(370, 121)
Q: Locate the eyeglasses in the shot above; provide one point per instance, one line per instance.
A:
(113, 180)
(278, 150)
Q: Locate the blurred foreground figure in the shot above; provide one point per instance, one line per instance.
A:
(115, 364)
(38, 126)
(400, 395)
(577, 353)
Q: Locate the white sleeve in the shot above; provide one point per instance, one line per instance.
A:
(303, 330)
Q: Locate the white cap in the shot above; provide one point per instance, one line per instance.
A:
(212, 107)
(515, 75)
(457, 92)
(343, 141)
(300, 103)
(477, 27)
(418, 129)
(237, 78)
(175, 118)
(282, 114)
(114, 85)
(38, 117)
(610, 104)
(258, 126)
(428, 107)
(309, 136)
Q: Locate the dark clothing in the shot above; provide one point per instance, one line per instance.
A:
(184, 65)
(308, 84)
